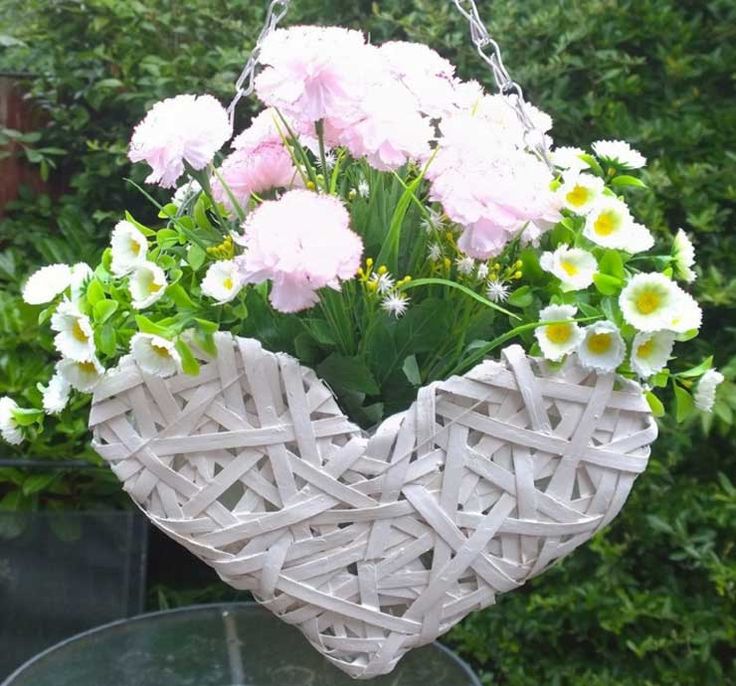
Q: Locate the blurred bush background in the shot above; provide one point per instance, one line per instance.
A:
(650, 601)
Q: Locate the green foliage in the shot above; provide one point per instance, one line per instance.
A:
(651, 600)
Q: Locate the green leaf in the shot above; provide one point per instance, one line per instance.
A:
(684, 403)
(655, 404)
(348, 374)
(612, 264)
(168, 211)
(206, 326)
(95, 292)
(411, 370)
(196, 257)
(106, 339)
(607, 285)
(141, 227)
(699, 370)
(189, 363)
(145, 325)
(624, 180)
(166, 238)
(521, 297)
(180, 297)
(104, 309)
(37, 482)
(593, 164)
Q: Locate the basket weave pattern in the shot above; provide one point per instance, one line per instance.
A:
(373, 545)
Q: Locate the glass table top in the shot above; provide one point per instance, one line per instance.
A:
(216, 645)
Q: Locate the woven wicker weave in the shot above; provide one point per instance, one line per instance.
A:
(373, 545)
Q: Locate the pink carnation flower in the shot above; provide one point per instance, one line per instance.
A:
(254, 171)
(390, 131)
(260, 162)
(315, 73)
(184, 128)
(489, 187)
(302, 243)
(426, 75)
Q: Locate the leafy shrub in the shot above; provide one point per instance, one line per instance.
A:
(651, 600)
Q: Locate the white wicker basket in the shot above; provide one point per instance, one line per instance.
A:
(373, 545)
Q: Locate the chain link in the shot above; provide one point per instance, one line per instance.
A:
(490, 53)
(276, 11)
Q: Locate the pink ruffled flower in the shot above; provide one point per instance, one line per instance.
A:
(260, 162)
(184, 128)
(426, 75)
(315, 73)
(391, 131)
(302, 243)
(492, 189)
(259, 170)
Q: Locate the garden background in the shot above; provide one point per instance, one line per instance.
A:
(650, 601)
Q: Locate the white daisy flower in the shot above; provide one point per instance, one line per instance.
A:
(683, 256)
(364, 189)
(574, 267)
(568, 157)
(497, 291)
(75, 338)
(147, 285)
(395, 304)
(9, 428)
(649, 302)
(650, 352)
(465, 265)
(434, 252)
(382, 282)
(186, 193)
(222, 281)
(619, 153)
(56, 394)
(687, 315)
(580, 192)
(83, 376)
(330, 161)
(46, 283)
(81, 274)
(129, 248)
(482, 271)
(602, 348)
(705, 393)
(609, 223)
(155, 355)
(640, 239)
(559, 339)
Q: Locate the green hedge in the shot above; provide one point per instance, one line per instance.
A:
(651, 600)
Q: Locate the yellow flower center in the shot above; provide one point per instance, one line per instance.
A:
(600, 343)
(78, 332)
(559, 333)
(154, 287)
(646, 349)
(160, 350)
(570, 268)
(578, 196)
(605, 224)
(87, 367)
(228, 283)
(648, 302)
(135, 248)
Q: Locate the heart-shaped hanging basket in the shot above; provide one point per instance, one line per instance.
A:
(373, 545)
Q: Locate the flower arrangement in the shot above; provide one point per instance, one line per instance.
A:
(384, 221)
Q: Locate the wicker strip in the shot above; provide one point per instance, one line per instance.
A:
(373, 545)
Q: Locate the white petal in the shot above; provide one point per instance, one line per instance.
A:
(46, 283)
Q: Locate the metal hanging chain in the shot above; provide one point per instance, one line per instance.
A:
(490, 52)
(276, 11)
